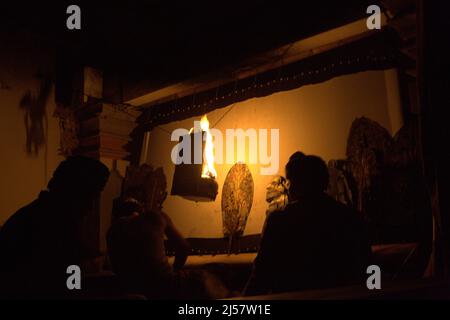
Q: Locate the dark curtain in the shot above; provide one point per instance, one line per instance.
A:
(376, 52)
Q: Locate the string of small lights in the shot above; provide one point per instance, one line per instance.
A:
(154, 118)
(317, 69)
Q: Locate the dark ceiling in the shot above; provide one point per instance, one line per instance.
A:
(171, 41)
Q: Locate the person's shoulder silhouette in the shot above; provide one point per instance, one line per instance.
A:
(42, 239)
(314, 242)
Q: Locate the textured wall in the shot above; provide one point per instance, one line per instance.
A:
(23, 60)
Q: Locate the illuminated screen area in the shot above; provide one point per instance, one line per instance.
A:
(315, 119)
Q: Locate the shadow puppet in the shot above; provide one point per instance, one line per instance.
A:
(35, 118)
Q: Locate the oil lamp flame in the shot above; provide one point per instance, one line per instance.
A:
(208, 170)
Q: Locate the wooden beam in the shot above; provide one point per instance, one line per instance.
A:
(273, 59)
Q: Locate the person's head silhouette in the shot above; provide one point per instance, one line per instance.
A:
(297, 155)
(307, 175)
(77, 182)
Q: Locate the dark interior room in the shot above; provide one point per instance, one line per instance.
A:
(251, 150)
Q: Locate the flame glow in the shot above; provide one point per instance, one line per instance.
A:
(208, 170)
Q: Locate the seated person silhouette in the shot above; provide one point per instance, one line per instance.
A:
(315, 242)
(137, 253)
(42, 239)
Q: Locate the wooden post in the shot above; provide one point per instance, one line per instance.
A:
(433, 84)
(104, 133)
